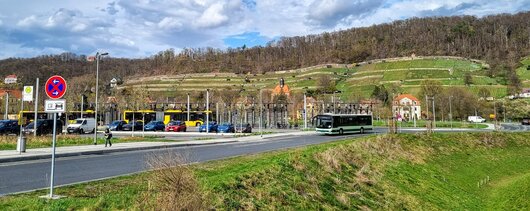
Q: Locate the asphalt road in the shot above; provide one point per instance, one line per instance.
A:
(30, 175)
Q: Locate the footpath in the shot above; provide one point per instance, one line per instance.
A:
(68, 151)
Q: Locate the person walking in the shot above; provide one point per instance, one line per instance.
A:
(108, 136)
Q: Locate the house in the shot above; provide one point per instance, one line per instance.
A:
(10, 79)
(406, 107)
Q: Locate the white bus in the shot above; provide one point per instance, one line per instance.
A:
(343, 123)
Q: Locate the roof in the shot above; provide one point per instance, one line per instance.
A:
(409, 96)
(12, 93)
(11, 76)
(278, 89)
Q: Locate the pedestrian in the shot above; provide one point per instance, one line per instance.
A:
(108, 136)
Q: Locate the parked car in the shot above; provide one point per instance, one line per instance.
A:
(226, 128)
(44, 126)
(82, 125)
(212, 127)
(176, 126)
(117, 125)
(138, 125)
(155, 126)
(245, 128)
(475, 119)
(525, 121)
(9, 127)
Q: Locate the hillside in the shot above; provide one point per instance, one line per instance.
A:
(354, 80)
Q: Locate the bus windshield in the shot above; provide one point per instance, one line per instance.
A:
(324, 121)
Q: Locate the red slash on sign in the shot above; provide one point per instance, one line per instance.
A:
(55, 87)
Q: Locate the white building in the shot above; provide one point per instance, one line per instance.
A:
(10, 79)
(525, 93)
(406, 107)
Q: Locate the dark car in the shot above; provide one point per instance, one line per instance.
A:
(138, 125)
(176, 126)
(245, 128)
(212, 127)
(226, 128)
(155, 126)
(44, 126)
(9, 127)
(525, 121)
(117, 125)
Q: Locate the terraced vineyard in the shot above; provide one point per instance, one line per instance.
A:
(353, 80)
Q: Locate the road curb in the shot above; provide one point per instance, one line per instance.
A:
(106, 151)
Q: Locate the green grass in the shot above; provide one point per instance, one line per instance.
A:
(10, 142)
(439, 124)
(405, 171)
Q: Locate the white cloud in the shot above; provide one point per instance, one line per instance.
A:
(137, 28)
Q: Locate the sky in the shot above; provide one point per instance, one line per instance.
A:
(141, 28)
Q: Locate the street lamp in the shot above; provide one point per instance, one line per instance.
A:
(207, 110)
(98, 56)
(305, 108)
(450, 112)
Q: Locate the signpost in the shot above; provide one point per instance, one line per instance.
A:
(55, 89)
(27, 95)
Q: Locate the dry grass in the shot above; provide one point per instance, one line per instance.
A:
(172, 184)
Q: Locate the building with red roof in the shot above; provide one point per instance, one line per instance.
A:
(406, 107)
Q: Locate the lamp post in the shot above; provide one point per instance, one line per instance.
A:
(188, 107)
(260, 112)
(305, 108)
(98, 56)
(450, 112)
(7, 104)
(207, 110)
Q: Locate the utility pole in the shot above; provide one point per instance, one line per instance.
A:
(188, 107)
(450, 112)
(98, 56)
(433, 114)
(260, 113)
(82, 105)
(36, 107)
(495, 113)
(7, 104)
(305, 111)
(207, 110)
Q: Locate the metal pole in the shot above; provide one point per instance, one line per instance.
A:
(188, 108)
(305, 111)
(53, 153)
(143, 124)
(82, 105)
(450, 112)
(36, 108)
(427, 104)
(217, 112)
(96, 110)
(7, 104)
(260, 113)
(333, 100)
(20, 120)
(207, 110)
(504, 113)
(433, 114)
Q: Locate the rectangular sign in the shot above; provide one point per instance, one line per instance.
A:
(27, 93)
(55, 106)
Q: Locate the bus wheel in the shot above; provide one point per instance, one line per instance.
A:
(341, 132)
(362, 130)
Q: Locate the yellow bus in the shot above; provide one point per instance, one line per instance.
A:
(196, 117)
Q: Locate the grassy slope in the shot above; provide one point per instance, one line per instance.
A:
(393, 172)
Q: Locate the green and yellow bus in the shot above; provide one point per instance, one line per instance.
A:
(343, 123)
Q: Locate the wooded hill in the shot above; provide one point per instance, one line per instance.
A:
(501, 40)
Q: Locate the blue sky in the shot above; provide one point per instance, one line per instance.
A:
(140, 28)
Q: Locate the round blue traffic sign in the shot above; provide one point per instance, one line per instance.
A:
(55, 87)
